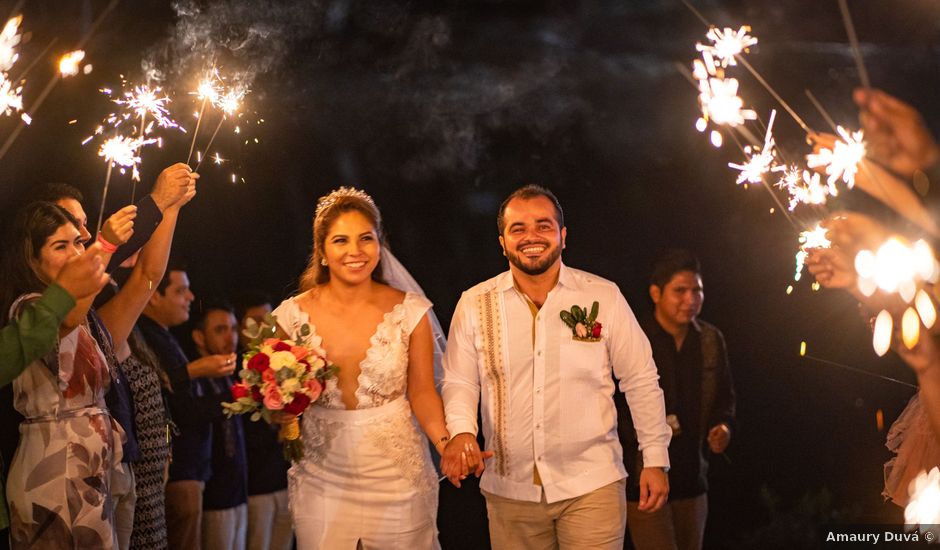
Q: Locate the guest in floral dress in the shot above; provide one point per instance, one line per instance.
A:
(58, 488)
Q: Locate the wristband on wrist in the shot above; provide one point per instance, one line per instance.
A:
(105, 245)
(442, 441)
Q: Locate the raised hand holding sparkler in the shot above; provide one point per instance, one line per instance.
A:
(896, 133)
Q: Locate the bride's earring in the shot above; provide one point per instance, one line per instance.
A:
(323, 262)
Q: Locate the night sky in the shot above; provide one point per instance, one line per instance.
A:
(439, 109)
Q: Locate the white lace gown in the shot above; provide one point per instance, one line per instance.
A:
(366, 477)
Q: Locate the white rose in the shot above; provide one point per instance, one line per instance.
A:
(282, 359)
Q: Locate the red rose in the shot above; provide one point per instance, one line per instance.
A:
(596, 331)
(256, 394)
(259, 362)
(298, 405)
(239, 391)
(281, 346)
(306, 365)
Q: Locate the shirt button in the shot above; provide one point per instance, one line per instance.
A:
(539, 353)
(540, 459)
(538, 426)
(538, 390)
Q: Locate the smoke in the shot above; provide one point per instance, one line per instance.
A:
(452, 85)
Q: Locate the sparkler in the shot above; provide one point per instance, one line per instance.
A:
(228, 103)
(924, 506)
(9, 39)
(853, 40)
(811, 238)
(208, 92)
(727, 43)
(69, 63)
(843, 159)
(761, 162)
(804, 187)
(124, 152)
(721, 104)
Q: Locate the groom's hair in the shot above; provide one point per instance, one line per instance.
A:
(527, 192)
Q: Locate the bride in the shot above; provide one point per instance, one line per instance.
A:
(366, 479)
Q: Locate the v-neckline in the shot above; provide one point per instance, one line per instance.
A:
(373, 341)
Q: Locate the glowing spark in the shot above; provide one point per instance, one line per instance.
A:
(910, 328)
(805, 188)
(11, 98)
(924, 506)
(230, 101)
(720, 102)
(217, 159)
(9, 40)
(69, 63)
(896, 266)
(881, 338)
(26, 118)
(760, 162)
(811, 238)
(802, 348)
(842, 160)
(146, 102)
(124, 152)
(727, 43)
(925, 308)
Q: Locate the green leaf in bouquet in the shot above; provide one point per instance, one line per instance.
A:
(255, 416)
(283, 374)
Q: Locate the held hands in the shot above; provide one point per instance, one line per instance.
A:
(462, 456)
(212, 366)
(83, 276)
(718, 438)
(175, 186)
(118, 229)
(654, 489)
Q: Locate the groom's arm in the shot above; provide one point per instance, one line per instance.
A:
(461, 386)
(632, 361)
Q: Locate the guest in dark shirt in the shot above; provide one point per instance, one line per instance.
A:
(269, 519)
(193, 405)
(225, 500)
(692, 361)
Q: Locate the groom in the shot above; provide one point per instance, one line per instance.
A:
(533, 343)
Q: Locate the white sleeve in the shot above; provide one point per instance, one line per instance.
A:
(461, 388)
(632, 361)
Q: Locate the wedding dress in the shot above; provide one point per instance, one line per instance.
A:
(366, 477)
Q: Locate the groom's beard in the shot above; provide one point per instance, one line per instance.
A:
(534, 267)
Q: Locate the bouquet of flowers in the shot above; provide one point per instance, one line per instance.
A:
(279, 377)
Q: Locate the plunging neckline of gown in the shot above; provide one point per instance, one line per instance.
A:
(373, 341)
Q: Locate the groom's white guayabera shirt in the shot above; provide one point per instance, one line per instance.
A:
(547, 398)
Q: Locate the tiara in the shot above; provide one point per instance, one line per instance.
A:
(328, 201)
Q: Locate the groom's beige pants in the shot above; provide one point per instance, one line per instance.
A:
(593, 521)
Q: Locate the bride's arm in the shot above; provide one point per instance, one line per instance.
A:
(425, 401)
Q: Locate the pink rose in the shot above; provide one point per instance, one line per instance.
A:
(268, 376)
(300, 352)
(273, 400)
(580, 330)
(315, 388)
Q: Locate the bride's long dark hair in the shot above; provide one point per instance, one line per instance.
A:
(330, 208)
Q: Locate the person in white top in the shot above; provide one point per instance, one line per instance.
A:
(366, 479)
(537, 343)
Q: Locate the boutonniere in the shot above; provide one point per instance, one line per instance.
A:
(584, 325)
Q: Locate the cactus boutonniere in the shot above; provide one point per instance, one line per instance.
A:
(583, 324)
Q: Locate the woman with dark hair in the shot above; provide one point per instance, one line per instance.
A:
(58, 483)
(366, 479)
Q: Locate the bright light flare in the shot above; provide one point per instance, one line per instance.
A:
(881, 338)
(842, 160)
(727, 43)
(145, 101)
(9, 39)
(910, 328)
(924, 506)
(69, 63)
(896, 267)
(811, 238)
(123, 151)
(721, 104)
(925, 308)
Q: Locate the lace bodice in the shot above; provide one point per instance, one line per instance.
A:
(383, 374)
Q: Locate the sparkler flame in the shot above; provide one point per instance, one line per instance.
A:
(721, 104)
(811, 238)
(69, 63)
(9, 40)
(123, 151)
(805, 187)
(924, 506)
(727, 43)
(144, 101)
(759, 162)
(842, 160)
